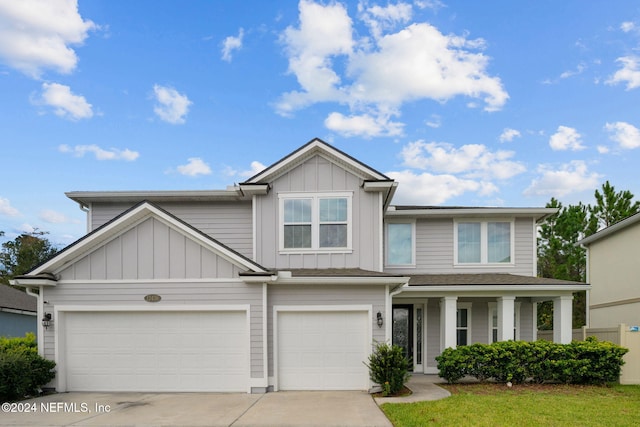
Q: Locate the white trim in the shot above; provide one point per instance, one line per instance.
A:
(484, 242)
(265, 336)
(479, 212)
(315, 198)
(254, 226)
(411, 222)
(330, 280)
(149, 281)
(60, 311)
(368, 308)
(534, 244)
(516, 311)
(534, 314)
(381, 233)
(17, 311)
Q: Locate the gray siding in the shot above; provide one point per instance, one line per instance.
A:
(325, 295)
(187, 293)
(228, 222)
(16, 325)
(433, 332)
(320, 175)
(435, 250)
(150, 250)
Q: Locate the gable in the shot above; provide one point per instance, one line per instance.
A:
(150, 250)
(317, 173)
(146, 242)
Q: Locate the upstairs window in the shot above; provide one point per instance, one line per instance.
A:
(484, 242)
(315, 222)
(400, 244)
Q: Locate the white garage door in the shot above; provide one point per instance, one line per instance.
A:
(323, 350)
(156, 351)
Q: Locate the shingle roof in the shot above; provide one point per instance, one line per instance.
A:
(484, 279)
(16, 299)
(338, 272)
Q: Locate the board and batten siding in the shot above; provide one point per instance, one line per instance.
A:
(325, 295)
(230, 223)
(319, 175)
(435, 250)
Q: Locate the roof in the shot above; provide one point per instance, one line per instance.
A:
(16, 299)
(618, 226)
(84, 198)
(338, 272)
(485, 279)
(468, 211)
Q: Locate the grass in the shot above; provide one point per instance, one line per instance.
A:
(526, 405)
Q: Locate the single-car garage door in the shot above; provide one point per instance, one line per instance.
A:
(323, 350)
(156, 351)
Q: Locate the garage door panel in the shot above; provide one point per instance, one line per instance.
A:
(157, 351)
(323, 350)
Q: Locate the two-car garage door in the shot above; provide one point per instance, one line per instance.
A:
(156, 351)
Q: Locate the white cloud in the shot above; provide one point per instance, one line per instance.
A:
(363, 125)
(472, 160)
(629, 73)
(195, 166)
(100, 153)
(602, 149)
(37, 34)
(231, 44)
(566, 138)
(627, 26)
(429, 4)
(256, 167)
(625, 134)
(172, 106)
(570, 73)
(508, 134)
(64, 102)
(428, 189)
(7, 209)
(434, 122)
(53, 217)
(384, 71)
(570, 178)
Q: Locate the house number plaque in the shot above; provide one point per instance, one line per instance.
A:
(152, 298)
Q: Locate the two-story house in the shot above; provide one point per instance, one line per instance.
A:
(283, 282)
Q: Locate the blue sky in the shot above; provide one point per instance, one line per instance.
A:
(471, 103)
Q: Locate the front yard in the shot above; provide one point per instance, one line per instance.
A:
(523, 405)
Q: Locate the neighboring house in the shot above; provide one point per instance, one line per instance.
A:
(17, 312)
(613, 268)
(284, 282)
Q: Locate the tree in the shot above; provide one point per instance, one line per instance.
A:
(24, 253)
(559, 256)
(611, 207)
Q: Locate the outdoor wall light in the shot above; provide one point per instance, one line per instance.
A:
(379, 319)
(46, 320)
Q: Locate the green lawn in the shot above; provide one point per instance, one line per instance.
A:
(527, 405)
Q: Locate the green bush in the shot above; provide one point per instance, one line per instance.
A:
(22, 370)
(389, 368)
(581, 362)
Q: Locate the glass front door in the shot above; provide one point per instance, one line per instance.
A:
(402, 335)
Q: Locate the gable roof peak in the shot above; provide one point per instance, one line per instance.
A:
(314, 147)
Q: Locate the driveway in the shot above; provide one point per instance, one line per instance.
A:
(347, 408)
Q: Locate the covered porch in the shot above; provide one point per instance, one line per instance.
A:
(436, 311)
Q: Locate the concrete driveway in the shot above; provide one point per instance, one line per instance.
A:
(347, 408)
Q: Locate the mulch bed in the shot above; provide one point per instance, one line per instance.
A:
(405, 391)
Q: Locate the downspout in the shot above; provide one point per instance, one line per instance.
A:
(40, 310)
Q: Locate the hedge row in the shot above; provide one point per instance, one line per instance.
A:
(22, 370)
(581, 362)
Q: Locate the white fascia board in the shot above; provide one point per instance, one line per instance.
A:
(538, 213)
(483, 289)
(36, 281)
(342, 281)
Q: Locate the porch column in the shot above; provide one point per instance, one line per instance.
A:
(448, 322)
(506, 305)
(562, 319)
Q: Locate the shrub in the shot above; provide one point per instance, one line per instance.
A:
(581, 362)
(22, 370)
(389, 368)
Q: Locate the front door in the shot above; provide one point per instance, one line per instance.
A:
(402, 335)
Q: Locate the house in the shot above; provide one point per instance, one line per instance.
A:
(17, 312)
(614, 271)
(283, 282)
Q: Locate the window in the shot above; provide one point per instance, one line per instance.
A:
(400, 244)
(493, 322)
(463, 324)
(484, 242)
(315, 222)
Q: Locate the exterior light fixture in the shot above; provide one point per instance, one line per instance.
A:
(379, 320)
(46, 320)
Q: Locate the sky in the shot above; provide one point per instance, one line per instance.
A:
(464, 103)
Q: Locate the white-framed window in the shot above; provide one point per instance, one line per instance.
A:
(400, 244)
(315, 221)
(463, 323)
(493, 321)
(483, 242)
